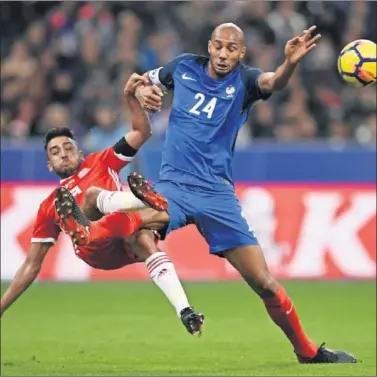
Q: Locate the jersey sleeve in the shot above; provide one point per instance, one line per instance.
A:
(250, 78)
(164, 75)
(45, 229)
(113, 157)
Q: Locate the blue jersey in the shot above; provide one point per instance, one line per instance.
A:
(205, 119)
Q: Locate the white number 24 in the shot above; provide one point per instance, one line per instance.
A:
(207, 109)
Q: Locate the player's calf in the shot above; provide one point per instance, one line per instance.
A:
(251, 264)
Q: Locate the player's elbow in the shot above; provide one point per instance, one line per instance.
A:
(275, 86)
(146, 135)
(267, 83)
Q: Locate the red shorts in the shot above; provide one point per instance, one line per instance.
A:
(107, 255)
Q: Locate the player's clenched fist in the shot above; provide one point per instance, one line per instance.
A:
(150, 97)
(133, 82)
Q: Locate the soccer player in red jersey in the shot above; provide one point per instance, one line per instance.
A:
(103, 242)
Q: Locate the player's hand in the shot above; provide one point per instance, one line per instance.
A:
(298, 47)
(133, 82)
(150, 97)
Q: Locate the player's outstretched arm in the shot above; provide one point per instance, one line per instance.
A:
(26, 274)
(141, 125)
(295, 50)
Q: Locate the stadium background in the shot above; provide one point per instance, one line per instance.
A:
(305, 162)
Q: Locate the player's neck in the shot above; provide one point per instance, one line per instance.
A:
(64, 178)
(211, 73)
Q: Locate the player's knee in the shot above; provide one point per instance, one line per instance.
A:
(142, 244)
(91, 197)
(263, 284)
(89, 206)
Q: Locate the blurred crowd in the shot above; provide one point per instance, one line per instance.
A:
(67, 62)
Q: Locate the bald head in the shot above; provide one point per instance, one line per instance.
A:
(226, 48)
(229, 31)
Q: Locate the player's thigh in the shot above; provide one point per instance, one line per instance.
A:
(223, 224)
(250, 262)
(176, 210)
(108, 255)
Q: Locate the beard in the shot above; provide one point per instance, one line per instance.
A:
(68, 172)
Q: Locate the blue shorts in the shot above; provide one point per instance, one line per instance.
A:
(217, 215)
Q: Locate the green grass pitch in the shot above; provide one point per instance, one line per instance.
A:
(115, 329)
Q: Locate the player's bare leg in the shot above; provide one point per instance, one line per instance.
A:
(251, 264)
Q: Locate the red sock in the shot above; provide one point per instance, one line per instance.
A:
(283, 313)
(116, 224)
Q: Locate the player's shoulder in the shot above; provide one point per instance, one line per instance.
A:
(249, 72)
(194, 58)
(47, 205)
(249, 76)
(95, 157)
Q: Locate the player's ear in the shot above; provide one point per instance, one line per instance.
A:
(243, 52)
(49, 166)
(81, 155)
(209, 46)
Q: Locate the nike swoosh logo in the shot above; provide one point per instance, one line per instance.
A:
(185, 77)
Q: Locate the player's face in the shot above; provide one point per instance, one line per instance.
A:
(225, 50)
(64, 156)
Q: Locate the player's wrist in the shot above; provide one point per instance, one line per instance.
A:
(131, 91)
(289, 63)
(138, 89)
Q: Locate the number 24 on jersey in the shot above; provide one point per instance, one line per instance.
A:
(203, 106)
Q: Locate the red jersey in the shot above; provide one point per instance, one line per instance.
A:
(99, 169)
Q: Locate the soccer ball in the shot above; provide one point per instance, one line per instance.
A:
(357, 63)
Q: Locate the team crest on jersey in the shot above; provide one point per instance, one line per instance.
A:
(83, 172)
(230, 90)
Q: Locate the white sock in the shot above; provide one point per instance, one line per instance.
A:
(111, 201)
(162, 272)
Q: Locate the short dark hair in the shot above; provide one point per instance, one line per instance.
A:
(56, 132)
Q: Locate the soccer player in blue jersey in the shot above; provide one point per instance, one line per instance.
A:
(212, 97)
